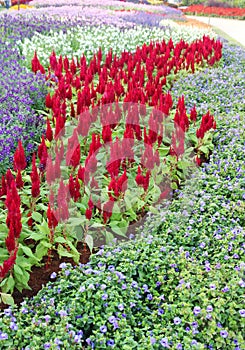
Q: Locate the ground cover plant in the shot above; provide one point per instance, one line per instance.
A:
(180, 283)
(229, 12)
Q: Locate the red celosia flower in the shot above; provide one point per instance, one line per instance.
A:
(19, 181)
(30, 221)
(49, 132)
(52, 221)
(8, 264)
(3, 190)
(19, 157)
(107, 210)
(9, 178)
(89, 210)
(42, 154)
(10, 240)
(35, 179)
(193, 114)
(106, 134)
(12, 203)
(48, 101)
(73, 155)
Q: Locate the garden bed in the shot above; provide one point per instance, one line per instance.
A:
(178, 281)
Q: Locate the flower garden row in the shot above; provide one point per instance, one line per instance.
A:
(202, 10)
(178, 286)
(198, 255)
(80, 86)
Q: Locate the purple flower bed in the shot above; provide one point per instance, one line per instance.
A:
(21, 93)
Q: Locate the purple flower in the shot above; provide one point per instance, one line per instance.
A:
(224, 334)
(13, 326)
(103, 329)
(62, 265)
(110, 342)
(82, 289)
(104, 296)
(120, 307)
(197, 310)
(111, 319)
(242, 312)
(3, 336)
(152, 340)
(177, 320)
(160, 312)
(179, 346)
(209, 308)
(212, 286)
(149, 296)
(164, 342)
(194, 342)
(53, 275)
(62, 313)
(47, 345)
(225, 289)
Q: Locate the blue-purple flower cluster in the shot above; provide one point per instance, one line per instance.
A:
(21, 93)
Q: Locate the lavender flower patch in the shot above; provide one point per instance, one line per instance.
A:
(146, 19)
(112, 4)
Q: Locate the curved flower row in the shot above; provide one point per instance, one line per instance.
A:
(216, 11)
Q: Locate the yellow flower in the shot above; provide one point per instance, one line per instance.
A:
(15, 7)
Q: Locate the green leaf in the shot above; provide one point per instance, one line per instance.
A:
(174, 186)
(109, 237)
(37, 217)
(10, 284)
(63, 252)
(41, 250)
(75, 255)
(18, 270)
(44, 228)
(90, 242)
(76, 221)
(115, 226)
(37, 236)
(7, 299)
(60, 240)
(27, 251)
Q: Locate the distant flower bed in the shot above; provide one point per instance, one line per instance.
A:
(202, 10)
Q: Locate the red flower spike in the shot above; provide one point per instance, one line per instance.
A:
(19, 158)
(3, 190)
(72, 187)
(107, 210)
(35, 64)
(8, 264)
(48, 101)
(35, 189)
(19, 181)
(49, 132)
(10, 240)
(106, 134)
(30, 221)
(52, 221)
(88, 213)
(42, 154)
(193, 114)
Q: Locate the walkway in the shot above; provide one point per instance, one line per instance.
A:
(233, 27)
